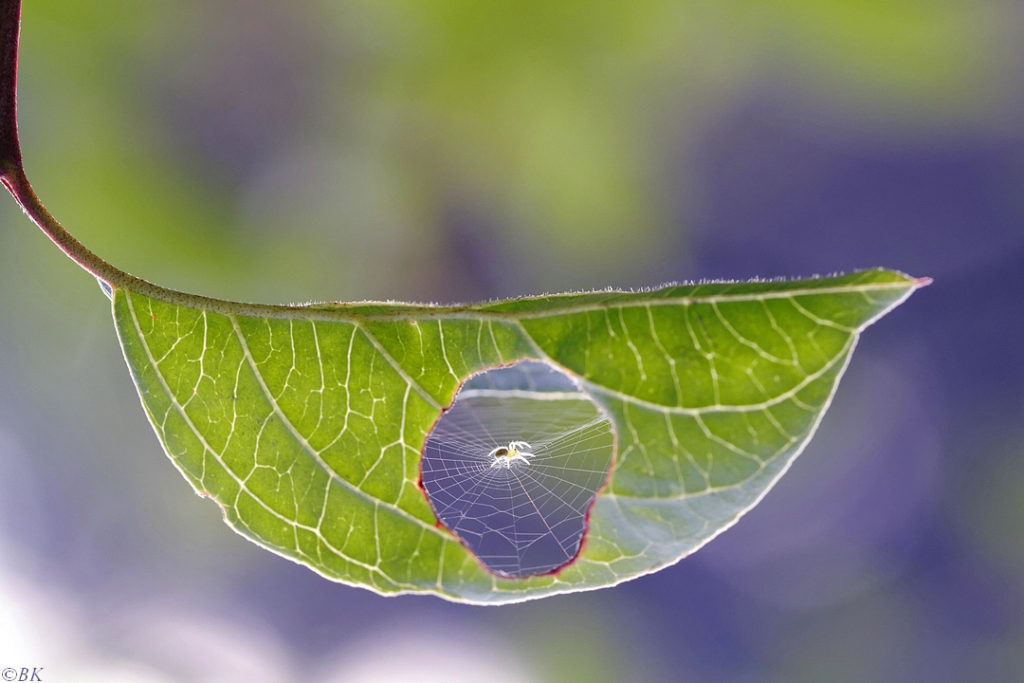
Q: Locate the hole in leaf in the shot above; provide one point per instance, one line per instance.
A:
(512, 467)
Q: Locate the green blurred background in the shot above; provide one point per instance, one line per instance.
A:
(449, 151)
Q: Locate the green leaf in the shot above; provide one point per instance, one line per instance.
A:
(306, 424)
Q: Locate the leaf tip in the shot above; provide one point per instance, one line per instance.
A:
(922, 282)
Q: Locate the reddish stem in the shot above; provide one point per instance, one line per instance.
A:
(10, 22)
(12, 175)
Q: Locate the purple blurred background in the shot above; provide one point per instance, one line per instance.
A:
(448, 151)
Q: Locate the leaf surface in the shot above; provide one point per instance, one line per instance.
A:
(306, 424)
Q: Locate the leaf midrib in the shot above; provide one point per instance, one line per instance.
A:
(481, 312)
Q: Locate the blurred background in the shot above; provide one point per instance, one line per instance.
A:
(456, 150)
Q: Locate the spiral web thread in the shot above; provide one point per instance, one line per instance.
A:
(528, 517)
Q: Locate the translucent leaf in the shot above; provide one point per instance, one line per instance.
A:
(306, 424)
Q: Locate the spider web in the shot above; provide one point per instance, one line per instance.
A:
(530, 517)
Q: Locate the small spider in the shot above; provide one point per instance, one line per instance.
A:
(504, 456)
